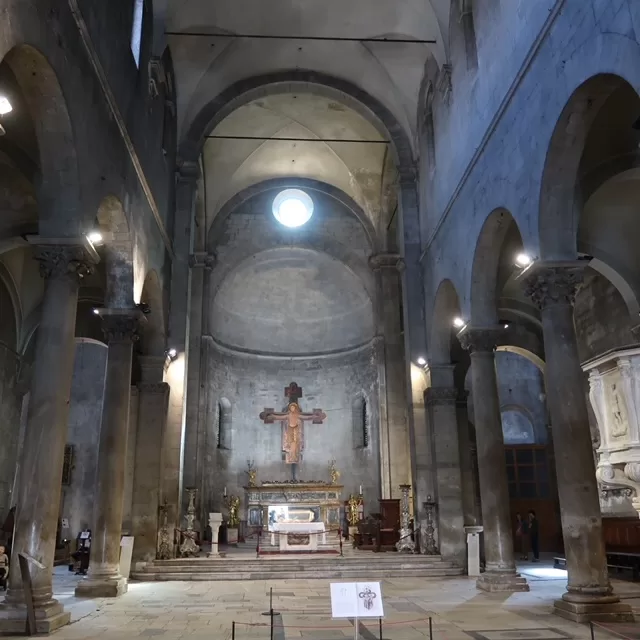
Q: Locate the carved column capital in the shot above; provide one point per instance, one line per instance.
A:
(188, 172)
(440, 396)
(202, 260)
(385, 261)
(551, 284)
(59, 258)
(480, 339)
(121, 325)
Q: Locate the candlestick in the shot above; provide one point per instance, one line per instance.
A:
(225, 492)
(360, 491)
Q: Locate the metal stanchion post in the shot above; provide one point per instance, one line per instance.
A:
(233, 630)
(593, 633)
(380, 627)
(340, 535)
(430, 628)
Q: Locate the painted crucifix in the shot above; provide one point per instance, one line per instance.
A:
(292, 421)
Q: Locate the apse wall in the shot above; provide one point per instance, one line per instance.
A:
(243, 385)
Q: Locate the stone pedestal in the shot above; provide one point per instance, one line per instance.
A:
(62, 263)
(215, 520)
(473, 551)
(589, 594)
(104, 579)
(500, 574)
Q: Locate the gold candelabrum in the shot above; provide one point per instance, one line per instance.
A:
(334, 474)
(252, 472)
(233, 504)
(353, 515)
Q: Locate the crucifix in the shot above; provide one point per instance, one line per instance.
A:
(292, 425)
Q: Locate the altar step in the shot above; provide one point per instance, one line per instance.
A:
(367, 565)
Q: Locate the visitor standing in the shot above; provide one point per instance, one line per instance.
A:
(534, 535)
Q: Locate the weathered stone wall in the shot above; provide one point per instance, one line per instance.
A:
(250, 384)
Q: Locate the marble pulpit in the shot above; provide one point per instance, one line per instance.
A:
(614, 392)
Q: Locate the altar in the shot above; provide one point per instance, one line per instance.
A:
(297, 516)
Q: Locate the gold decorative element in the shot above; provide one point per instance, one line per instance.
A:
(334, 474)
(233, 504)
(252, 472)
(354, 515)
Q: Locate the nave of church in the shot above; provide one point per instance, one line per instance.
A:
(294, 293)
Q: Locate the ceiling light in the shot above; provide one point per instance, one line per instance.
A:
(5, 106)
(421, 362)
(292, 208)
(172, 353)
(96, 311)
(506, 326)
(458, 323)
(523, 260)
(95, 237)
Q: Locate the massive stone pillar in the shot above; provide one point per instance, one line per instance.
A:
(153, 402)
(441, 404)
(589, 595)
(62, 263)
(470, 504)
(500, 574)
(394, 435)
(104, 579)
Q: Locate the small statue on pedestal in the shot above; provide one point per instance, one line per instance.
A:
(252, 472)
(334, 474)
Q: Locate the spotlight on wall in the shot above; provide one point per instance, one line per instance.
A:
(523, 260)
(506, 326)
(172, 353)
(421, 361)
(5, 106)
(96, 311)
(458, 323)
(95, 237)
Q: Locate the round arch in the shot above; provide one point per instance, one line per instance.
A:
(484, 292)
(296, 183)
(153, 338)
(445, 309)
(561, 199)
(58, 191)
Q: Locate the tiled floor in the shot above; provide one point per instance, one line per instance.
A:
(206, 610)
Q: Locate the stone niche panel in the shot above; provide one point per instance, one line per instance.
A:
(614, 392)
(251, 383)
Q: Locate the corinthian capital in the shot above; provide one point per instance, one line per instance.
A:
(67, 257)
(553, 283)
(480, 339)
(121, 325)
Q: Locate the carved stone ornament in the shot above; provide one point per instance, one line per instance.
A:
(440, 395)
(553, 285)
(57, 261)
(484, 339)
(121, 327)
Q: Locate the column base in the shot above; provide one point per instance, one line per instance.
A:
(604, 609)
(13, 618)
(110, 587)
(501, 582)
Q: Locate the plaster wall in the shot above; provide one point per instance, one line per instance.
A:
(250, 384)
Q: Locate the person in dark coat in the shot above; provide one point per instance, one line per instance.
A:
(534, 538)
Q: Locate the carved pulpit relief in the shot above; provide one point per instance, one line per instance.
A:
(614, 393)
(292, 421)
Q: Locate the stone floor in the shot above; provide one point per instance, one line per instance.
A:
(206, 610)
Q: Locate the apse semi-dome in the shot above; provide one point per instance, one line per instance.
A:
(292, 301)
(293, 207)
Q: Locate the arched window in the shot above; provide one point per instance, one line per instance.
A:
(517, 427)
(136, 30)
(223, 431)
(360, 423)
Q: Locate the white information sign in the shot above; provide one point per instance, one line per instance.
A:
(356, 600)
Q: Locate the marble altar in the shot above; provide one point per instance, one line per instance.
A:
(298, 536)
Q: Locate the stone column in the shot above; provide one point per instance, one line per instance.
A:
(62, 263)
(104, 579)
(500, 574)
(589, 595)
(441, 406)
(153, 403)
(470, 505)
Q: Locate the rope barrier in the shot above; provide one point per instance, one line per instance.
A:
(334, 626)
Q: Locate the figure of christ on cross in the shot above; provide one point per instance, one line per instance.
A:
(292, 426)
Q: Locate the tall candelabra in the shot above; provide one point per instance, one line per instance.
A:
(165, 544)
(429, 538)
(189, 546)
(406, 542)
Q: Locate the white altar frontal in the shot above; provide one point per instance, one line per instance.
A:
(298, 536)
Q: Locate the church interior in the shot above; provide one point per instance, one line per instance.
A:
(296, 293)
